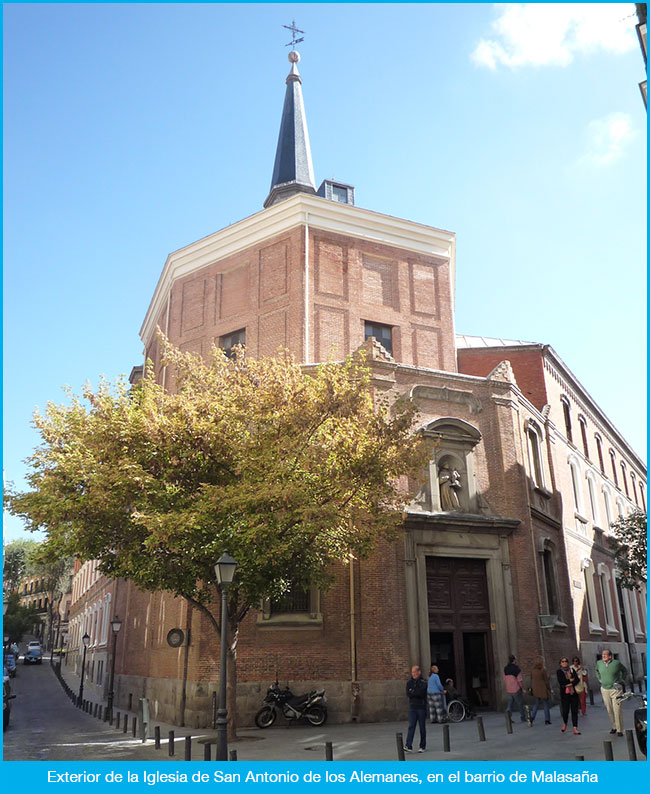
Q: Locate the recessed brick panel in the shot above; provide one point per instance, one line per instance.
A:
(233, 290)
(331, 268)
(380, 282)
(274, 263)
(193, 304)
(424, 289)
(331, 334)
(272, 333)
(426, 347)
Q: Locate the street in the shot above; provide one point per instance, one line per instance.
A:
(45, 726)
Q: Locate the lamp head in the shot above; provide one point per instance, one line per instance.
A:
(225, 569)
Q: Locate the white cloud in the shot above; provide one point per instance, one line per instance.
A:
(551, 34)
(607, 139)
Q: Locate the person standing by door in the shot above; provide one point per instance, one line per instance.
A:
(416, 691)
(514, 687)
(436, 696)
(609, 672)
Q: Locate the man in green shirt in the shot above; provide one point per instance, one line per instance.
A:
(610, 671)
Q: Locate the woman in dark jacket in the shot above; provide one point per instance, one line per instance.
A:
(569, 701)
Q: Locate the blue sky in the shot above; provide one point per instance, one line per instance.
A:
(132, 130)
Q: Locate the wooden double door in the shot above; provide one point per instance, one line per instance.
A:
(460, 625)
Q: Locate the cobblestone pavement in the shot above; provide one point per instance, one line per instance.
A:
(46, 726)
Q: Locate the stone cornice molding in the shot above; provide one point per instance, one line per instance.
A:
(299, 210)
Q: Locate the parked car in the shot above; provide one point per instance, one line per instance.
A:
(10, 664)
(33, 656)
(6, 705)
(34, 644)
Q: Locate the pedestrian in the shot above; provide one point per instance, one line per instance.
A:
(436, 696)
(582, 685)
(567, 680)
(540, 689)
(514, 687)
(416, 691)
(609, 672)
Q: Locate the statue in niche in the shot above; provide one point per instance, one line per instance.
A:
(449, 482)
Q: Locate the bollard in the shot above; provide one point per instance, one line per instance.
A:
(233, 755)
(171, 742)
(481, 729)
(206, 751)
(109, 715)
(188, 748)
(134, 722)
(591, 697)
(125, 727)
(400, 747)
(528, 717)
(631, 750)
(580, 758)
(117, 721)
(329, 752)
(508, 722)
(445, 739)
(100, 714)
(95, 709)
(609, 752)
(156, 734)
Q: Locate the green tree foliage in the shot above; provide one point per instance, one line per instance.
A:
(287, 469)
(16, 562)
(18, 620)
(629, 544)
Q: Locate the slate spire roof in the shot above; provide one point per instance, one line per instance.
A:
(293, 171)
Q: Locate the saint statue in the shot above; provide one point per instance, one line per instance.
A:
(449, 482)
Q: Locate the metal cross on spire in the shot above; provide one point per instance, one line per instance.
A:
(292, 27)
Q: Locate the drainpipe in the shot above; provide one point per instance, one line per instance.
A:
(355, 689)
(306, 339)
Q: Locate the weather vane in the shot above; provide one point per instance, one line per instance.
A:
(292, 27)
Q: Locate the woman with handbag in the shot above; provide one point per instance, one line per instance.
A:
(540, 689)
(567, 680)
(582, 685)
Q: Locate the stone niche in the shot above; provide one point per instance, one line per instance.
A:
(449, 481)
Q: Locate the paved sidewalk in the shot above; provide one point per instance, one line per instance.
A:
(377, 741)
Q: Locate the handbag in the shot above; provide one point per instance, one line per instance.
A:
(580, 687)
(568, 690)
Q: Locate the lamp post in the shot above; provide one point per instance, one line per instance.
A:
(225, 572)
(86, 640)
(116, 625)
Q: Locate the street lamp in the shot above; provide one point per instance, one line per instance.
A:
(225, 572)
(116, 625)
(86, 640)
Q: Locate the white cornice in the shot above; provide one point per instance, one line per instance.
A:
(321, 214)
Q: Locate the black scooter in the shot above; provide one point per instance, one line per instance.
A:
(310, 706)
(640, 718)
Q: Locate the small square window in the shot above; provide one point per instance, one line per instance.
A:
(382, 333)
(226, 343)
(340, 194)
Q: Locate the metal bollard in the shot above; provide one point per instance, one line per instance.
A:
(591, 697)
(117, 721)
(95, 709)
(580, 758)
(156, 734)
(400, 747)
(528, 717)
(100, 714)
(134, 722)
(329, 752)
(171, 742)
(233, 755)
(109, 716)
(631, 749)
(206, 751)
(445, 739)
(125, 727)
(508, 722)
(481, 729)
(609, 752)
(188, 748)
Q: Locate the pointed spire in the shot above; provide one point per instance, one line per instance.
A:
(293, 171)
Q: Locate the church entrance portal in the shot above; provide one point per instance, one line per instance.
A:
(459, 625)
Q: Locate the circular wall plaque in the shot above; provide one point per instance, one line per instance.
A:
(175, 638)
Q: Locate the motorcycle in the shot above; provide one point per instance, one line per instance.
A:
(640, 718)
(310, 706)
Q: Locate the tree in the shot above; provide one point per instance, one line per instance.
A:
(16, 562)
(289, 470)
(629, 543)
(18, 620)
(56, 572)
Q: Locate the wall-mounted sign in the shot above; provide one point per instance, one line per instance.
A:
(175, 638)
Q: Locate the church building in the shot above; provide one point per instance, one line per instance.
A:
(503, 550)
